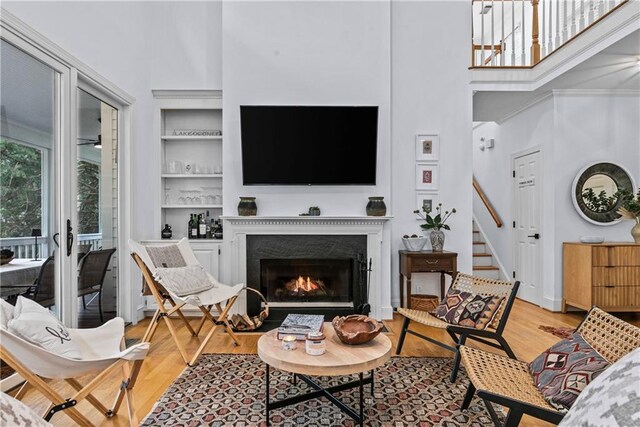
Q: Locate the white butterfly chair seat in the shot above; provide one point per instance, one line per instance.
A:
(221, 297)
(102, 352)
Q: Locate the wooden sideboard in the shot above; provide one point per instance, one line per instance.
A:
(605, 274)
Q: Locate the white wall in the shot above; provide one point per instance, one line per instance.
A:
(572, 129)
(430, 95)
(379, 52)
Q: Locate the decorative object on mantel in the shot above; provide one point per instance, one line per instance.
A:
(166, 232)
(376, 206)
(356, 328)
(435, 224)
(313, 211)
(591, 239)
(6, 256)
(414, 243)
(247, 206)
(630, 209)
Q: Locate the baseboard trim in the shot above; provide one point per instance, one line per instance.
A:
(551, 304)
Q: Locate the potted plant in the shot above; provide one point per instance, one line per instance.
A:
(630, 209)
(436, 223)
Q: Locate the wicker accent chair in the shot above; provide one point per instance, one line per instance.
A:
(507, 382)
(460, 334)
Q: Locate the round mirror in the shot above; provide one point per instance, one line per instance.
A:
(595, 192)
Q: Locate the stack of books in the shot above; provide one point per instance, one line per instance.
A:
(299, 325)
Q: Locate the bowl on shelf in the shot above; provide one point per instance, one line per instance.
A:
(414, 244)
(356, 328)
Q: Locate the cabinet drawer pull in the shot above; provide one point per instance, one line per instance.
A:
(429, 261)
(609, 286)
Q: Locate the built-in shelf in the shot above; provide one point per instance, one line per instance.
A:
(191, 207)
(191, 175)
(191, 138)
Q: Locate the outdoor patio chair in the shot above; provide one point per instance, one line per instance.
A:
(460, 334)
(221, 297)
(103, 355)
(93, 269)
(508, 382)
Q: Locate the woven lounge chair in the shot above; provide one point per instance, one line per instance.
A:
(169, 305)
(460, 334)
(103, 355)
(507, 382)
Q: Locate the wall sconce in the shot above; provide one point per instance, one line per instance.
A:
(486, 143)
(36, 232)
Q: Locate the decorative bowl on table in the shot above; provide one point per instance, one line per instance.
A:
(414, 243)
(6, 256)
(356, 328)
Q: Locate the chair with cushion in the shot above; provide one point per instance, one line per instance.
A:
(175, 278)
(93, 269)
(601, 339)
(40, 349)
(474, 308)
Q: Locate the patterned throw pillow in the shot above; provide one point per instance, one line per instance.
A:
(565, 369)
(184, 281)
(166, 256)
(466, 309)
(489, 315)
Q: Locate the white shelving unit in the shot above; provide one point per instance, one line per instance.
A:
(191, 166)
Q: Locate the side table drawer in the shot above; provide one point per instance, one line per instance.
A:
(616, 276)
(431, 264)
(616, 296)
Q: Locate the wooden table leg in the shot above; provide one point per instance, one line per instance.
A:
(441, 285)
(409, 290)
(401, 290)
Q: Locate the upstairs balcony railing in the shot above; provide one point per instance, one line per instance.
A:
(24, 247)
(521, 33)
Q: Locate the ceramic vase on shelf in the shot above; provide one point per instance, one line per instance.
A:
(635, 232)
(247, 206)
(376, 206)
(437, 240)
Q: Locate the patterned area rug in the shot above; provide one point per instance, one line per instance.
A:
(558, 331)
(228, 390)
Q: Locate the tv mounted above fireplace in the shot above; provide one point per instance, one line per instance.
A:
(309, 145)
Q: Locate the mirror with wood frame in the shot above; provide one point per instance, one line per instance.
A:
(595, 192)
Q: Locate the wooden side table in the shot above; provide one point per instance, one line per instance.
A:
(444, 262)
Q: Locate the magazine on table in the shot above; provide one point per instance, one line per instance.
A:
(299, 325)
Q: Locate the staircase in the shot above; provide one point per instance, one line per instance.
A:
(483, 262)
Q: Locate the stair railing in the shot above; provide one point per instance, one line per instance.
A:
(487, 203)
(521, 33)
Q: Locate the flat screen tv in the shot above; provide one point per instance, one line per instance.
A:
(309, 145)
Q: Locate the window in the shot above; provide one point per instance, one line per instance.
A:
(20, 189)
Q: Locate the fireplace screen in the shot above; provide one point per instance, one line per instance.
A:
(306, 280)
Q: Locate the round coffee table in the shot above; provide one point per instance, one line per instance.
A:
(339, 359)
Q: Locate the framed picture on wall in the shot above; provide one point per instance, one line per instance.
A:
(427, 147)
(427, 176)
(426, 200)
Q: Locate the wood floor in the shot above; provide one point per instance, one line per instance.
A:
(164, 364)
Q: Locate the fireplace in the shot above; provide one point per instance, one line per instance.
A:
(313, 274)
(308, 280)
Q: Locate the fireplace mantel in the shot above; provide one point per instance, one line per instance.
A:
(236, 229)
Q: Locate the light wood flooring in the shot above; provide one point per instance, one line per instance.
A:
(164, 364)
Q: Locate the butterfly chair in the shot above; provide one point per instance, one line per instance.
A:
(508, 382)
(103, 353)
(170, 304)
(93, 269)
(460, 334)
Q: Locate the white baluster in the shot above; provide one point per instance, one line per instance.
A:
(582, 25)
(612, 4)
(482, 34)
(550, 28)
(493, 38)
(522, 33)
(573, 18)
(591, 14)
(557, 38)
(543, 48)
(565, 22)
(503, 45)
(513, 33)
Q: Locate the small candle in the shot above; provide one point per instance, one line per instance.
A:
(315, 344)
(289, 342)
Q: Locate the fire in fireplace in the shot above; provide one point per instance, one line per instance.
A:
(307, 280)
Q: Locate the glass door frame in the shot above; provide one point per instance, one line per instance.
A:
(74, 75)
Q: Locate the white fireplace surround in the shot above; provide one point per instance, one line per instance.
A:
(236, 229)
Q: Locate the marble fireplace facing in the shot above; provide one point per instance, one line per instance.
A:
(311, 264)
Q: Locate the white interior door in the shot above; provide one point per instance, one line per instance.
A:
(526, 223)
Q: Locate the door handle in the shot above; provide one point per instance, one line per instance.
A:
(535, 236)
(69, 237)
(55, 239)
